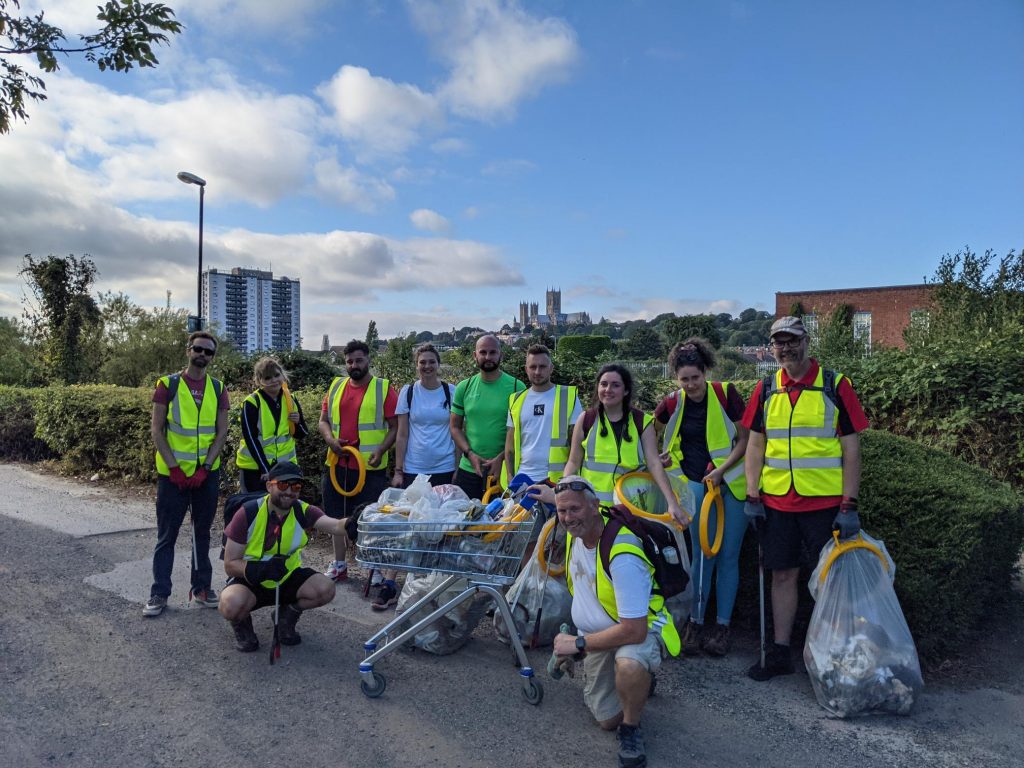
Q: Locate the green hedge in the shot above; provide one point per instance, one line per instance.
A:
(587, 347)
(18, 441)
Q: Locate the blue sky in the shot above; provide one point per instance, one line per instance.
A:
(430, 164)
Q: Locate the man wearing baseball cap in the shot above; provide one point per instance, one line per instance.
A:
(803, 472)
(263, 556)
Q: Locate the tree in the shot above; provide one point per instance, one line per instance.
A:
(126, 39)
(395, 363)
(140, 345)
(643, 344)
(372, 337)
(17, 358)
(64, 315)
(678, 329)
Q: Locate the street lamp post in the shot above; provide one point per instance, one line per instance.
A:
(191, 178)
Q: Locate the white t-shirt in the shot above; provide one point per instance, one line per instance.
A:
(430, 449)
(630, 578)
(535, 423)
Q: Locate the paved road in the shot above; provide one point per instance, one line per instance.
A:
(85, 680)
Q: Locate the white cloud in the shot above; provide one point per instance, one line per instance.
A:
(499, 53)
(347, 186)
(450, 146)
(377, 114)
(429, 221)
(508, 168)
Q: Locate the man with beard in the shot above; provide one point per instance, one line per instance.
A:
(803, 472)
(189, 425)
(359, 411)
(479, 413)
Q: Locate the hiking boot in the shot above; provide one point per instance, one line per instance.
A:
(387, 597)
(337, 572)
(205, 597)
(716, 640)
(286, 633)
(245, 636)
(777, 661)
(632, 752)
(155, 605)
(691, 638)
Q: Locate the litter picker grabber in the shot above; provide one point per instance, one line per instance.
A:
(760, 590)
(275, 647)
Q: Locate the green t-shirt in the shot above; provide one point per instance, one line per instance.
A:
(484, 408)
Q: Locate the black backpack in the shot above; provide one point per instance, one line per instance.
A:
(659, 543)
(447, 396)
(250, 503)
(828, 386)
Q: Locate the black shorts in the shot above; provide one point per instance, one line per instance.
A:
(439, 478)
(471, 483)
(289, 590)
(792, 538)
(337, 506)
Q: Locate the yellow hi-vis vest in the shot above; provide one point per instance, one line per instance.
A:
(720, 433)
(293, 539)
(802, 447)
(561, 429)
(658, 618)
(190, 430)
(373, 427)
(605, 459)
(276, 441)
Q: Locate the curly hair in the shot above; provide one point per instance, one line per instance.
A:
(694, 351)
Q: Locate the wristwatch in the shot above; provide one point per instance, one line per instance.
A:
(581, 644)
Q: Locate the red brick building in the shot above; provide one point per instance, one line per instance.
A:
(879, 314)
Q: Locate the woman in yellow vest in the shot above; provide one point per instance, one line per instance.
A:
(704, 442)
(613, 438)
(271, 419)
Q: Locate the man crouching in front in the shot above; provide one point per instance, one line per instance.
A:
(263, 559)
(623, 626)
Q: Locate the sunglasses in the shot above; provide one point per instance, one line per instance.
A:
(205, 350)
(790, 344)
(284, 485)
(573, 485)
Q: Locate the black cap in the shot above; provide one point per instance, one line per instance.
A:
(285, 470)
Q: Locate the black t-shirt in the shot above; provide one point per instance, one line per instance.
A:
(693, 439)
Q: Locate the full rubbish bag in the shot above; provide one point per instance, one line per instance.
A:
(859, 652)
(452, 630)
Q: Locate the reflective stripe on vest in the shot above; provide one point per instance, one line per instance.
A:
(291, 533)
(802, 448)
(561, 429)
(372, 426)
(658, 618)
(605, 458)
(190, 431)
(277, 442)
(720, 436)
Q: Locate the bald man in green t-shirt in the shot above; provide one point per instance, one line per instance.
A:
(479, 413)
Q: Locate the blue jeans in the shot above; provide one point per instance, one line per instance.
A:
(171, 505)
(726, 564)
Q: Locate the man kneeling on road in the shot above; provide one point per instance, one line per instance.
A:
(263, 554)
(624, 629)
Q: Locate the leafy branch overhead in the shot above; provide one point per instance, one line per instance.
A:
(130, 29)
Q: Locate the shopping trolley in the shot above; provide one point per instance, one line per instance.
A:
(487, 553)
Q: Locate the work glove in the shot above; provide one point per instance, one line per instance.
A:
(199, 477)
(847, 522)
(754, 510)
(273, 569)
(179, 479)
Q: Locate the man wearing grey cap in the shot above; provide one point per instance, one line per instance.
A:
(263, 559)
(803, 472)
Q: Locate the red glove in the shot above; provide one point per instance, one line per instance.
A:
(199, 477)
(179, 479)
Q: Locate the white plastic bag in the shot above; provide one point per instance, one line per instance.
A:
(540, 604)
(418, 489)
(451, 631)
(859, 653)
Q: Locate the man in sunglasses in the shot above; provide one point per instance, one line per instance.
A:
(623, 627)
(188, 426)
(263, 559)
(803, 472)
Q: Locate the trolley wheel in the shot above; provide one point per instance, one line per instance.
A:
(372, 692)
(533, 692)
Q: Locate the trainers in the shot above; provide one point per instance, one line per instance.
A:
(286, 633)
(245, 636)
(691, 639)
(205, 597)
(387, 597)
(376, 579)
(716, 641)
(632, 753)
(155, 605)
(337, 572)
(777, 661)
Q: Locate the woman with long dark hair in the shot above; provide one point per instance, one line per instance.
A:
(613, 438)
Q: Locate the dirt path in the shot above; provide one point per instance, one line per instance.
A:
(86, 681)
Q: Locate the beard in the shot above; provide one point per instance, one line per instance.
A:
(357, 374)
(489, 365)
(200, 361)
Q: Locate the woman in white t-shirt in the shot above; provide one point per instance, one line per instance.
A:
(424, 445)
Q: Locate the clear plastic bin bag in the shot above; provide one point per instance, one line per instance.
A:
(859, 653)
